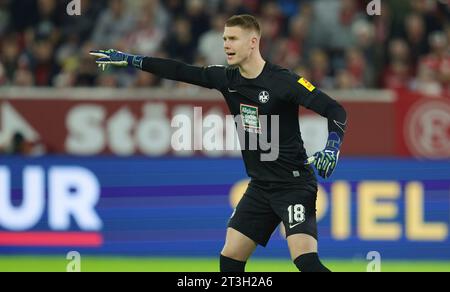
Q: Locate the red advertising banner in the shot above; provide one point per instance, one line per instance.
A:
(81, 125)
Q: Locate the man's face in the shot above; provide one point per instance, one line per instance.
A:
(238, 44)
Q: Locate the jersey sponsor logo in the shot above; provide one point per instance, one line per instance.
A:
(264, 97)
(250, 118)
(306, 84)
(232, 90)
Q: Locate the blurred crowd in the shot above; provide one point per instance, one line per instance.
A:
(334, 43)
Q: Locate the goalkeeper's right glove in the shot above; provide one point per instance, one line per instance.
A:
(116, 58)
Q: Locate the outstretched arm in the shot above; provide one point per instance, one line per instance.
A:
(209, 77)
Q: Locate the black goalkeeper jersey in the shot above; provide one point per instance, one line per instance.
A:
(265, 106)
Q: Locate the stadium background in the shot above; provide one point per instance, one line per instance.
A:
(87, 164)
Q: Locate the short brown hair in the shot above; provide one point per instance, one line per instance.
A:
(244, 21)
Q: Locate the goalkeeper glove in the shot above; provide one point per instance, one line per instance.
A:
(325, 161)
(116, 58)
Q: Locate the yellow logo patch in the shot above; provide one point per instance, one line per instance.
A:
(306, 84)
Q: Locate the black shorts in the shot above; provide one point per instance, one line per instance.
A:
(265, 205)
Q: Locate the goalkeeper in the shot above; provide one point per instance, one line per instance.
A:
(282, 190)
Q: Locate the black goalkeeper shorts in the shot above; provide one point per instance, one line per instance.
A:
(265, 205)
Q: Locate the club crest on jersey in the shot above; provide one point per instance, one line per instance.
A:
(264, 97)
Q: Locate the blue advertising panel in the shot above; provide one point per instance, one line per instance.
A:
(180, 207)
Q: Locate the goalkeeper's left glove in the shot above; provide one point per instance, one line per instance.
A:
(325, 161)
(116, 58)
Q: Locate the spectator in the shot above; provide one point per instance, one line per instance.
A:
(272, 26)
(175, 7)
(114, 24)
(23, 78)
(332, 25)
(303, 71)
(438, 61)
(211, 43)
(416, 36)
(292, 50)
(23, 14)
(86, 73)
(357, 67)
(200, 23)
(398, 72)
(4, 16)
(320, 69)
(426, 82)
(364, 35)
(429, 13)
(397, 75)
(147, 37)
(81, 28)
(48, 22)
(157, 12)
(143, 79)
(9, 56)
(180, 43)
(2, 75)
(42, 62)
(19, 145)
(289, 7)
(107, 80)
(42, 46)
(233, 7)
(345, 80)
(384, 24)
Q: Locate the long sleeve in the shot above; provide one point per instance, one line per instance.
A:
(305, 94)
(209, 77)
(329, 108)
